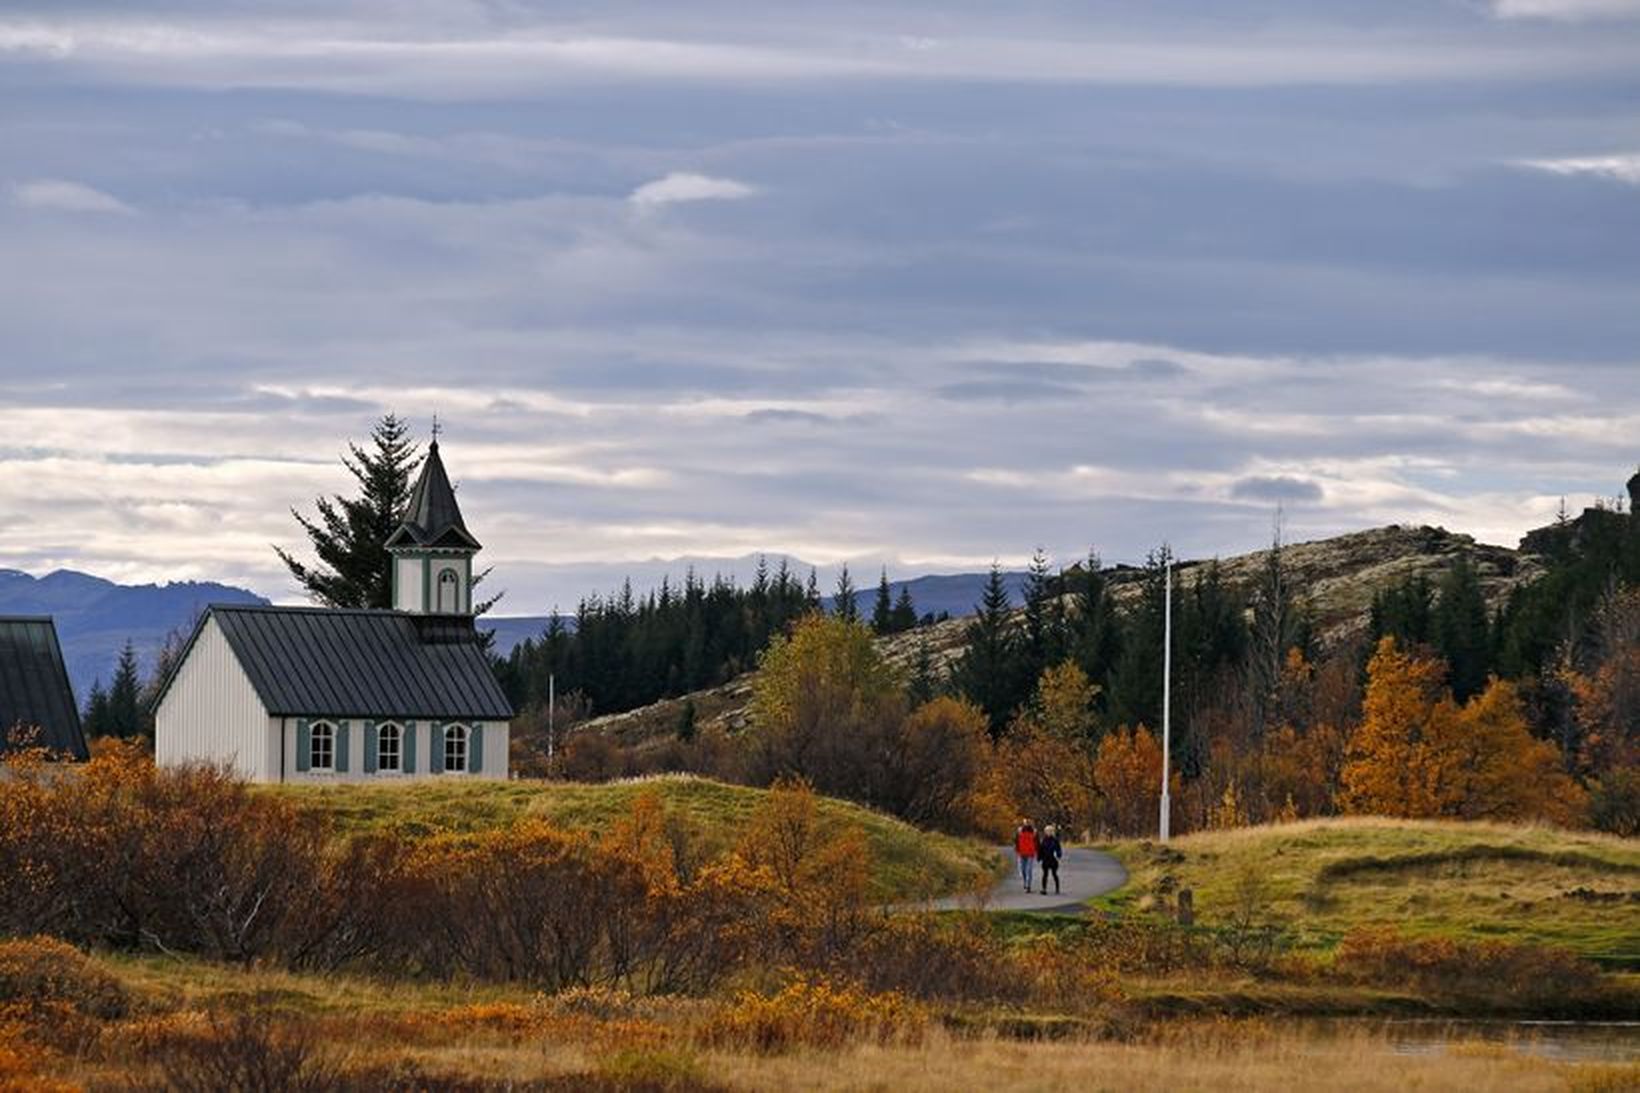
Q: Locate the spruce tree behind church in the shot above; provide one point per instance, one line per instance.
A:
(347, 537)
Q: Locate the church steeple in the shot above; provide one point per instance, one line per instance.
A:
(432, 549)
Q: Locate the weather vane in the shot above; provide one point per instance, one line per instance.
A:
(437, 428)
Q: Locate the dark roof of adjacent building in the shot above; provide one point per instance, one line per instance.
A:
(336, 662)
(34, 687)
(433, 519)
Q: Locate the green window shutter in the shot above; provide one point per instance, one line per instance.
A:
(475, 750)
(435, 748)
(409, 747)
(341, 747)
(304, 746)
(371, 747)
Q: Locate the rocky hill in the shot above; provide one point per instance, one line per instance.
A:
(1336, 578)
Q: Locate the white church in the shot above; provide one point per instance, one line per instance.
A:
(317, 694)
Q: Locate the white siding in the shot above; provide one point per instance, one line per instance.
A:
(409, 584)
(211, 713)
(496, 764)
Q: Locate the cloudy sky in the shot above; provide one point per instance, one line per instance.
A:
(928, 283)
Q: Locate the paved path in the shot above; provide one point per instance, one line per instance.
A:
(1083, 874)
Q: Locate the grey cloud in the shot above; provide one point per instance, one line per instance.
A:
(1278, 488)
(1007, 390)
(1329, 293)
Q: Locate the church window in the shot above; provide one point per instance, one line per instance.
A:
(322, 747)
(449, 594)
(389, 748)
(455, 749)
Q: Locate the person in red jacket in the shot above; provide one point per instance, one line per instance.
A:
(1025, 847)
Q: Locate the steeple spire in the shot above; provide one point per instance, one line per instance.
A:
(432, 549)
(433, 518)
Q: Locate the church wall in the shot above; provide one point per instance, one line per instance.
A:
(211, 712)
(496, 744)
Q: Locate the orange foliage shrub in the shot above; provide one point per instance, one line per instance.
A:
(123, 853)
(24, 1063)
(1047, 777)
(41, 971)
(1128, 772)
(1498, 973)
(938, 756)
(1417, 753)
(212, 1052)
(814, 1014)
(925, 958)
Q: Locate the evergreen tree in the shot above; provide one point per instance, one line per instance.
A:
(349, 533)
(686, 722)
(1461, 630)
(125, 697)
(1095, 636)
(1403, 612)
(904, 616)
(882, 612)
(1276, 629)
(988, 672)
(96, 720)
(1042, 638)
(924, 684)
(843, 601)
(1136, 681)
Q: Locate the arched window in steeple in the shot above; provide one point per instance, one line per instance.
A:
(449, 592)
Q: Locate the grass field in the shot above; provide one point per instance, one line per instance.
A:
(500, 1034)
(906, 863)
(1323, 877)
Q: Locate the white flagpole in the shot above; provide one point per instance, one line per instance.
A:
(1167, 692)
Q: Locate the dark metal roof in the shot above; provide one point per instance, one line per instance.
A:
(333, 662)
(433, 519)
(34, 687)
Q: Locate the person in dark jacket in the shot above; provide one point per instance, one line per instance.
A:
(1048, 852)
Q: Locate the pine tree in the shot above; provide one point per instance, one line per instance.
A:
(125, 697)
(882, 612)
(1275, 630)
(96, 719)
(349, 533)
(924, 684)
(1135, 685)
(905, 612)
(1095, 636)
(1042, 637)
(1461, 630)
(843, 601)
(988, 671)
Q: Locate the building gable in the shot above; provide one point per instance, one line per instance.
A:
(34, 688)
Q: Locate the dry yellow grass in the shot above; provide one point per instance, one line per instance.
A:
(1233, 1061)
(515, 1035)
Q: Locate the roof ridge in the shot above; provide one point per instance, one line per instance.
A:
(230, 605)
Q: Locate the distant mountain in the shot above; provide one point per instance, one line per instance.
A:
(95, 617)
(954, 594)
(512, 630)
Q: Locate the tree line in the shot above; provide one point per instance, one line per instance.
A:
(624, 650)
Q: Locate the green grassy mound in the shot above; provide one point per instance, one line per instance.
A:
(906, 863)
(1323, 877)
